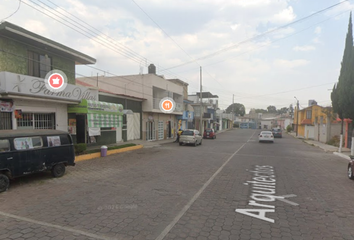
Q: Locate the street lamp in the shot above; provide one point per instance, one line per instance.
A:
(297, 115)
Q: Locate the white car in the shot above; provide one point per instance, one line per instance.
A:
(266, 136)
(190, 136)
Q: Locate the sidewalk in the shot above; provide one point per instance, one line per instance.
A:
(327, 148)
(144, 143)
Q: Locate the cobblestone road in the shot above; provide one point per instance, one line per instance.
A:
(174, 192)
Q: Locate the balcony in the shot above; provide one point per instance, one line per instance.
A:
(156, 105)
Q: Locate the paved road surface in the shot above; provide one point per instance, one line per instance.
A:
(284, 190)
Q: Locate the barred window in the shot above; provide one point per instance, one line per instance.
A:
(36, 121)
(5, 120)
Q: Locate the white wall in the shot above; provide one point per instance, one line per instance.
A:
(60, 110)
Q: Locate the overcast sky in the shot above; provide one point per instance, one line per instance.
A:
(225, 37)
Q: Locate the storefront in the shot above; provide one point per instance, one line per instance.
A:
(96, 122)
(27, 104)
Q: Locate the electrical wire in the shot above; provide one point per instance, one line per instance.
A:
(18, 8)
(258, 36)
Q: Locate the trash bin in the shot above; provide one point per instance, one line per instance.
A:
(103, 151)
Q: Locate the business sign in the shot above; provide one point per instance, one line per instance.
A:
(88, 106)
(32, 86)
(6, 106)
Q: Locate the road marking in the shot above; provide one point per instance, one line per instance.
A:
(287, 201)
(55, 226)
(195, 197)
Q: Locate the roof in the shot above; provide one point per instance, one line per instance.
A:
(79, 82)
(178, 81)
(29, 132)
(11, 31)
(306, 122)
(206, 95)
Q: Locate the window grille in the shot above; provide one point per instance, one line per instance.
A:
(36, 121)
(5, 120)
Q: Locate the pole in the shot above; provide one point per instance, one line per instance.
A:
(201, 104)
(297, 117)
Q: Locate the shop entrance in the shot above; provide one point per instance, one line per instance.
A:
(81, 128)
(150, 130)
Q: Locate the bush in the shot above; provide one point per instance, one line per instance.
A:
(334, 141)
(289, 128)
(80, 148)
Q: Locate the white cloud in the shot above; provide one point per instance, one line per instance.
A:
(284, 16)
(318, 30)
(304, 48)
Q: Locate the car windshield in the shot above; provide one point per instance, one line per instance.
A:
(208, 130)
(188, 133)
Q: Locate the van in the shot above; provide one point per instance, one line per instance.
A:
(23, 152)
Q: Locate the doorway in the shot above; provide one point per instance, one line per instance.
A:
(81, 128)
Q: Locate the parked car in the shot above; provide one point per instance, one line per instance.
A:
(277, 133)
(190, 136)
(266, 136)
(209, 133)
(24, 152)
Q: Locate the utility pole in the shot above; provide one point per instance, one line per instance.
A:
(201, 104)
(297, 115)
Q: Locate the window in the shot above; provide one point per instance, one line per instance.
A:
(308, 114)
(36, 121)
(5, 120)
(4, 145)
(28, 143)
(38, 65)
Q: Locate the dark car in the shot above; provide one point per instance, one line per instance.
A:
(24, 152)
(209, 133)
(277, 133)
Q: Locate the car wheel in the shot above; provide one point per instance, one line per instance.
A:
(272, 141)
(214, 137)
(4, 182)
(350, 172)
(200, 142)
(58, 170)
(195, 143)
(180, 144)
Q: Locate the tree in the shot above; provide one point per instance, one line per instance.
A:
(342, 91)
(261, 111)
(283, 110)
(236, 108)
(271, 109)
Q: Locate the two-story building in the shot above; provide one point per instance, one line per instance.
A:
(305, 119)
(156, 125)
(25, 59)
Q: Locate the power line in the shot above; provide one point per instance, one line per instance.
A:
(258, 36)
(55, 13)
(18, 8)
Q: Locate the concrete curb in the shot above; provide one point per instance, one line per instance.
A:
(342, 155)
(109, 152)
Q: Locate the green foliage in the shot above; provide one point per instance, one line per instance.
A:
(237, 108)
(271, 109)
(289, 128)
(261, 111)
(334, 141)
(80, 148)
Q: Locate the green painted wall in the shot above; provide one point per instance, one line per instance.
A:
(13, 61)
(16, 61)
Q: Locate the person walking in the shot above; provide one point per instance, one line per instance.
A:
(178, 135)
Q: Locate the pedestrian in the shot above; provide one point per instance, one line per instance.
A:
(178, 135)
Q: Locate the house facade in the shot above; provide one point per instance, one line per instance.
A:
(305, 119)
(155, 124)
(24, 63)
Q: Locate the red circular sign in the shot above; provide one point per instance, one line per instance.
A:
(56, 81)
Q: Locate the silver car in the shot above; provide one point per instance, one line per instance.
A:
(190, 136)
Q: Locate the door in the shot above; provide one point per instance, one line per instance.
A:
(124, 129)
(160, 130)
(150, 130)
(81, 128)
(169, 128)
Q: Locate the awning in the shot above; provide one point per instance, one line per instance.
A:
(99, 114)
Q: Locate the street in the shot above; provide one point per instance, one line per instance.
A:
(296, 191)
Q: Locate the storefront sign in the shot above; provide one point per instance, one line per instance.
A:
(6, 106)
(17, 83)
